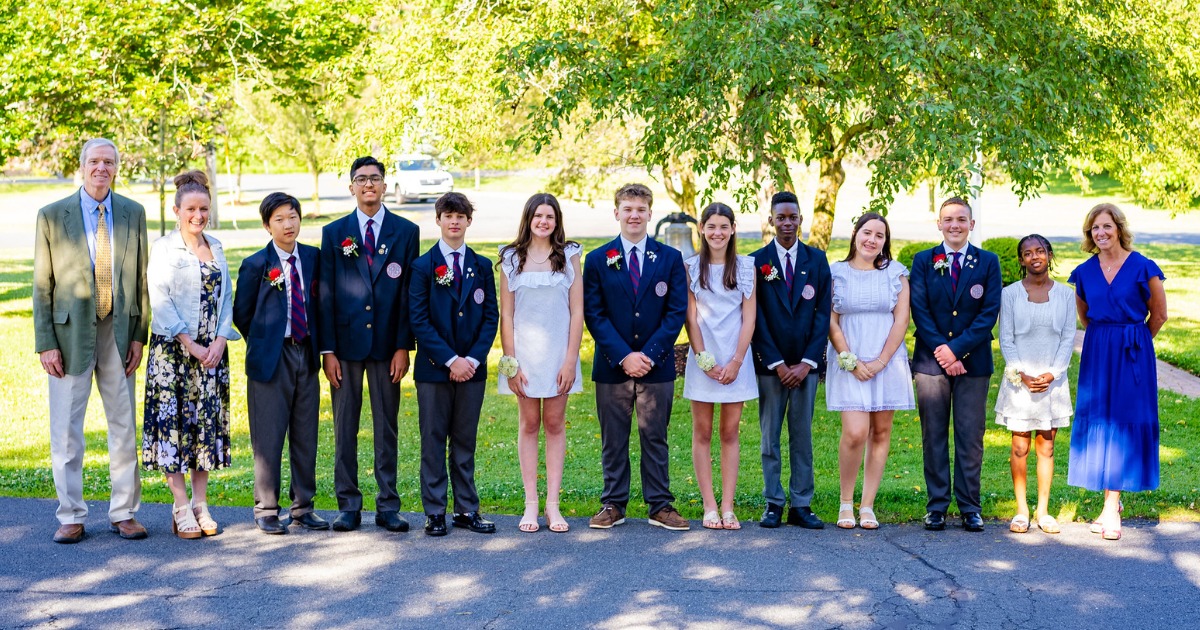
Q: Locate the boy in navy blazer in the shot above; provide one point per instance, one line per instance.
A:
(955, 289)
(790, 335)
(275, 310)
(454, 317)
(635, 302)
(366, 261)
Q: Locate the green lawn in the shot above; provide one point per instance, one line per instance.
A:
(25, 457)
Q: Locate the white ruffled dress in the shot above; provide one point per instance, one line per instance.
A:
(1036, 339)
(541, 324)
(864, 301)
(719, 311)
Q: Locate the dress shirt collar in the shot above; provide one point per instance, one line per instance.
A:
(447, 250)
(627, 244)
(283, 256)
(363, 218)
(794, 250)
(962, 251)
(91, 206)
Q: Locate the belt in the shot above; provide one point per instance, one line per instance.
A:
(292, 340)
(1131, 345)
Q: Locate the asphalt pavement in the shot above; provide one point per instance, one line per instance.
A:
(634, 576)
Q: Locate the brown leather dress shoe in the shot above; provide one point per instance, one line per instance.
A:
(668, 518)
(69, 534)
(129, 529)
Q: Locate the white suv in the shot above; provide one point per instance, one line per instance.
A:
(420, 176)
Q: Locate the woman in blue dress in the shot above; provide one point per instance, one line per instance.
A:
(1122, 306)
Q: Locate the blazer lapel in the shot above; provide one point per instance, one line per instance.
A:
(967, 273)
(350, 228)
(799, 277)
(622, 274)
(308, 265)
(470, 265)
(383, 243)
(122, 227)
(778, 287)
(273, 262)
(944, 280)
(73, 226)
(650, 270)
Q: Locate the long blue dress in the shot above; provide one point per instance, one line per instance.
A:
(1114, 443)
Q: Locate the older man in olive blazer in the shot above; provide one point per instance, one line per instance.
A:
(91, 312)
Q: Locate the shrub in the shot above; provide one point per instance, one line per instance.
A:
(1010, 264)
(905, 257)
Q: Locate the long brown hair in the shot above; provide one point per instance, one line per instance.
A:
(729, 276)
(884, 257)
(558, 238)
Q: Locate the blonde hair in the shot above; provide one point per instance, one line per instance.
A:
(633, 191)
(1123, 234)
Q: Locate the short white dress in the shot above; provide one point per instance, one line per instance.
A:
(541, 324)
(864, 301)
(719, 311)
(1036, 339)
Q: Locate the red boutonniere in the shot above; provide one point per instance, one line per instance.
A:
(613, 259)
(444, 275)
(275, 277)
(350, 246)
(769, 272)
(941, 264)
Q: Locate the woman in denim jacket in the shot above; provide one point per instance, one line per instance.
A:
(186, 422)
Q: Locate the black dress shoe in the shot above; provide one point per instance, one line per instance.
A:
(270, 525)
(474, 522)
(310, 520)
(972, 522)
(347, 521)
(435, 524)
(772, 517)
(391, 521)
(804, 517)
(935, 521)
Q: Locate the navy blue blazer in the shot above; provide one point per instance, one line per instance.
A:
(260, 310)
(792, 327)
(446, 324)
(364, 311)
(961, 319)
(622, 322)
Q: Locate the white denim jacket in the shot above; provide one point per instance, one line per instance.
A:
(173, 276)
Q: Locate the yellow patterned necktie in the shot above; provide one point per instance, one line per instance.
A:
(104, 270)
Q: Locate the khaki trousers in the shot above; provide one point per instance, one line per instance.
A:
(68, 407)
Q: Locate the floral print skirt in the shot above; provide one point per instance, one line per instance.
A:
(186, 420)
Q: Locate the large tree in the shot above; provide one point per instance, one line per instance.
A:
(746, 87)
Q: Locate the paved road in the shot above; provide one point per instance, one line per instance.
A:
(498, 213)
(633, 576)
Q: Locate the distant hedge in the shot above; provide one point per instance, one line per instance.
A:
(906, 254)
(1010, 264)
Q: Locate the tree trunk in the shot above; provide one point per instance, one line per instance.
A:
(210, 167)
(162, 172)
(825, 204)
(316, 197)
(238, 185)
(932, 196)
(683, 193)
(476, 178)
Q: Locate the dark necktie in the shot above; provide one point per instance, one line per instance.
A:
(370, 242)
(788, 271)
(457, 273)
(299, 319)
(635, 270)
(955, 268)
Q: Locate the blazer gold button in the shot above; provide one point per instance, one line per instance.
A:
(637, 314)
(954, 313)
(368, 307)
(460, 314)
(951, 334)
(368, 325)
(635, 336)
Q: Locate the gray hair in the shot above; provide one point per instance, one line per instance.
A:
(97, 142)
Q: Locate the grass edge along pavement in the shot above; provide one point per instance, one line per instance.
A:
(25, 460)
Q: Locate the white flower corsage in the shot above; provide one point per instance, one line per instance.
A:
(508, 366)
(847, 361)
(941, 263)
(706, 361)
(349, 246)
(652, 256)
(1012, 375)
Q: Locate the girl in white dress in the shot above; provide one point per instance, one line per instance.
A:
(720, 325)
(868, 323)
(1037, 336)
(541, 324)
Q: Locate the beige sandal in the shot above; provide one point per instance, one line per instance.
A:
(845, 522)
(205, 520)
(866, 517)
(712, 520)
(729, 521)
(183, 523)
(529, 521)
(554, 519)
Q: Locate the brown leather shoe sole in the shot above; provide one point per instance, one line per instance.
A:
(69, 534)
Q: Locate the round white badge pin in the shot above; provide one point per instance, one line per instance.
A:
(479, 296)
(977, 291)
(660, 289)
(393, 270)
(808, 292)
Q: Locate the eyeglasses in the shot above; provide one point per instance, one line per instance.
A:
(362, 180)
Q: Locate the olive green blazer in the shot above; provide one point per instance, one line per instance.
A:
(64, 283)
